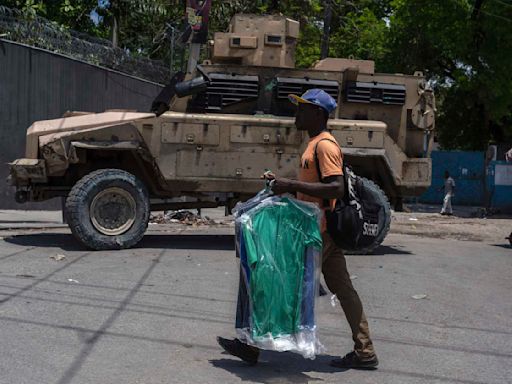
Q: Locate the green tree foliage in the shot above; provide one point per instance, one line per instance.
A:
(143, 24)
(359, 34)
(464, 48)
(66, 13)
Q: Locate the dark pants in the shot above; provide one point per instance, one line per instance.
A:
(243, 304)
(337, 278)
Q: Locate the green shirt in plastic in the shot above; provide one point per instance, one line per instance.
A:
(276, 237)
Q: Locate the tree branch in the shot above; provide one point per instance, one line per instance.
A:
(476, 9)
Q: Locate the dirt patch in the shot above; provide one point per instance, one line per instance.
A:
(451, 227)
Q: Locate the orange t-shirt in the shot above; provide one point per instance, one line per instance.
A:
(330, 160)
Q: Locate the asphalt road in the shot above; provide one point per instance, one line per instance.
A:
(151, 314)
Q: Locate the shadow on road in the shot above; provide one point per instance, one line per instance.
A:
(278, 367)
(214, 242)
(506, 246)
(388, 250)
(68, 243)
(168, 241)
(46, 240)
(290, 368)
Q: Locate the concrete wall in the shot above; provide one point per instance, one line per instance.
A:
(38, 85)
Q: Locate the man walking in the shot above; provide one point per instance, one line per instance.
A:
(449, 192)
(322, 186)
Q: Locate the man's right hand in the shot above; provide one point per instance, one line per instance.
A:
(268, 175)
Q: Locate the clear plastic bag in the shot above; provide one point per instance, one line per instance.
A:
(279, 243)
(243, 207)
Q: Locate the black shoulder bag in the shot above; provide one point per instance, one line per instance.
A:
(354, 222)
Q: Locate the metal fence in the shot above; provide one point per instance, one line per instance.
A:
(40, 32)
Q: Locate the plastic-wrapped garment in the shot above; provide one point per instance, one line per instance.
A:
(243, 303)
(282, 240)
(238, 211)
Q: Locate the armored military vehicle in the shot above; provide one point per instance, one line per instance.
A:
(217, 127)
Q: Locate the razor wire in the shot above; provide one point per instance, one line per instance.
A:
(42, 33)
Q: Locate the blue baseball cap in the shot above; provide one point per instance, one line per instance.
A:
(317, 97)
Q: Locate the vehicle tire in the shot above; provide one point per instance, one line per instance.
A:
(384, 217)
(108, 209)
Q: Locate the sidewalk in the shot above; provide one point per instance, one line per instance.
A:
(458, 210)
(18, 219)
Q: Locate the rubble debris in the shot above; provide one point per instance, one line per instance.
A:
(58, 257)
(183, 217)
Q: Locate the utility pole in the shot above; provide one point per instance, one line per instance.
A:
(114, 7)
(324, 51)
(173, 32)
(115, 32)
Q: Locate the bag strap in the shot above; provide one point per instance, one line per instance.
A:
(317, 166)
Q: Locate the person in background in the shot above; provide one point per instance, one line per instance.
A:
(508, 156)
(449, 192)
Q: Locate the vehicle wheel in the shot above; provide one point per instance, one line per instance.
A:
(384, 217)
(108, 209)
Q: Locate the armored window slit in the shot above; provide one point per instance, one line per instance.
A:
(225, 90)
(360, 92)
